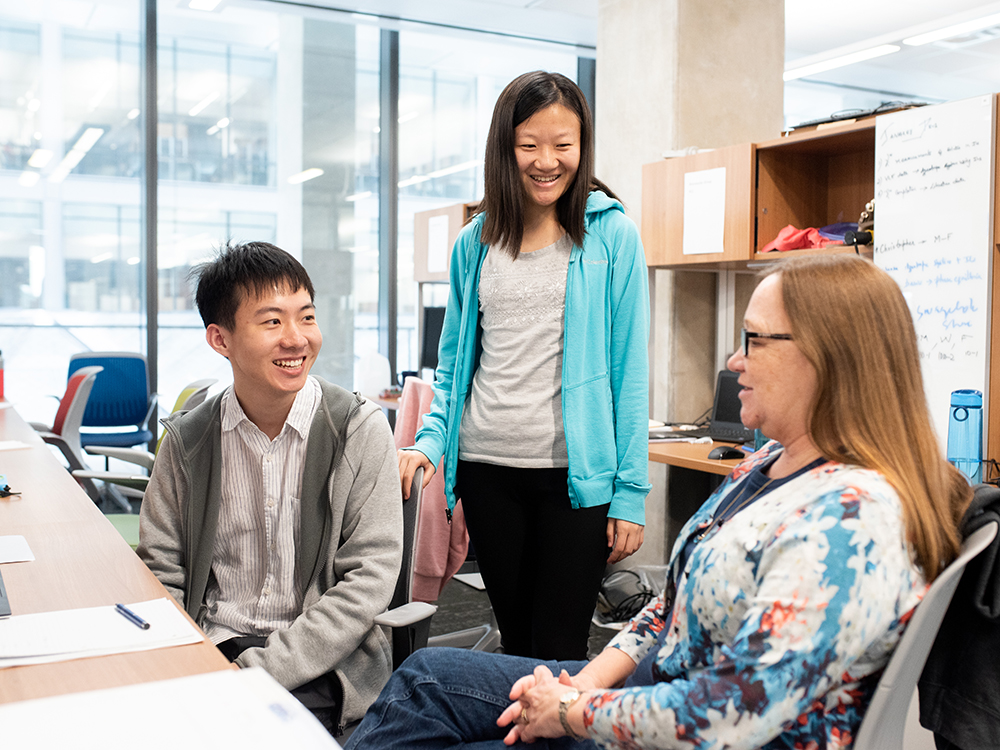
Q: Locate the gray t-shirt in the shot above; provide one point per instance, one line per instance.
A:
(513, 416)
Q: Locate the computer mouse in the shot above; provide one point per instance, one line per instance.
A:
(726, 451)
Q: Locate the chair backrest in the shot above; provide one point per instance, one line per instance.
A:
(402, 638)
(121, 395)
(193, 394)
(72, 406)
(403, 594)
(885, 719)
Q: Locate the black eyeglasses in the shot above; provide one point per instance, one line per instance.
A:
(746, 335)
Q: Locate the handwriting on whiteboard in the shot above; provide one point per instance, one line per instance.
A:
(933, 177)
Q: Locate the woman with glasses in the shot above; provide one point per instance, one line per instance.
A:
(789, 588)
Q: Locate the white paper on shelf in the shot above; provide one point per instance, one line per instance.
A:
(704, 211)
(232, 708)
(14, 548)
(93, 631)
(437, 244)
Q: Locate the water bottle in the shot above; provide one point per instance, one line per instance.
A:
(965, 433)
(759, 440)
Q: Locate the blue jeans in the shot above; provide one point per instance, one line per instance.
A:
(451, 698)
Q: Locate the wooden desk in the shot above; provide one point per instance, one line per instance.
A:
(80, 561)
(691, 456)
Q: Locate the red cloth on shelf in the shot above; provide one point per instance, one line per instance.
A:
(793, 238)
(441, 547)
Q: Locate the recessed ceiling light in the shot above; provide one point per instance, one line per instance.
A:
(840, 62)
(308, 174)
(958, 29)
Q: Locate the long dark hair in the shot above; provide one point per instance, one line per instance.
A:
(503, 197)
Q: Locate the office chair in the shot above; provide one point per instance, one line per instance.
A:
(133, 485)
(121, 405)
(124, 486)
(65, 430)
(446, 555)
(885, 720)
(410, 621)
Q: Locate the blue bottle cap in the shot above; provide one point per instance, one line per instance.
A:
(966, 397)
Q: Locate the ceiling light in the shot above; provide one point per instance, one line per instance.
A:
(88, 139)
(203, 103)
(408, 116)
(223, 123)
(40, 158)
(415, 180)
(206, 5)
(102, 92)
(358, 196)
(308, 174)
(212, 130)
(840, 62)
(958, 29)
(456, 168)
(76, 154)
(34, 105)
(133, 261)
(102, 257)
(59, 173)
(133, 113)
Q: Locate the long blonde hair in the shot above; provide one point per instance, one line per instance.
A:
(850, 320)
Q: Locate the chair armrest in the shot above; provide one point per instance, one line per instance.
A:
(135, 481)
(131, 455)
(40, 427)
(408, 614)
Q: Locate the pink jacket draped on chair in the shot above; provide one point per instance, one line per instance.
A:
(441, 547)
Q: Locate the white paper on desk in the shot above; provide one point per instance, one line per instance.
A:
(5, 404)
(15, 549)
(704, 211)
(93, 631)
(12, 445)
(231, 708)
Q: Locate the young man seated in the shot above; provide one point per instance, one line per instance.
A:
(273, 511)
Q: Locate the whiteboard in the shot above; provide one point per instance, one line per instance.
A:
(934, 235)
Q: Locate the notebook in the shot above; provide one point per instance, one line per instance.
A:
(724, 424)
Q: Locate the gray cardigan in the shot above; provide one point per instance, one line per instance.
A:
(350, 540)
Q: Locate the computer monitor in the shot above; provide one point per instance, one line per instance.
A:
(433, 320)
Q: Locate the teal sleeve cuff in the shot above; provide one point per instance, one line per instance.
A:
(629, 503)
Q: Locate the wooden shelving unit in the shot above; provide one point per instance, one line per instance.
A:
(809, 179)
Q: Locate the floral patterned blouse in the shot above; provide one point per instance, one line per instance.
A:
(783, 620)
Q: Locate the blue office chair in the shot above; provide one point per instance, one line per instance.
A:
(121, 408)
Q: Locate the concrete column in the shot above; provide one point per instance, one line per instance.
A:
(674, 74)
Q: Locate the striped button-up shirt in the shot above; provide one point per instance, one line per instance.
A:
(254, 588)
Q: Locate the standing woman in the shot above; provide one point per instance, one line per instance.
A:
(541, 395)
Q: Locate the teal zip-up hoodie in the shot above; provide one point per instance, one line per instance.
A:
(605, 368)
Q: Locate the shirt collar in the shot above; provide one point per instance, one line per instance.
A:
(299, 416)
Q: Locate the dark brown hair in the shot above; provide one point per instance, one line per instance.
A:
(850, 320)
(503, 197)
(242, 271)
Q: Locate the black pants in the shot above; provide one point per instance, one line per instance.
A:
(323, 696)
(541, 560)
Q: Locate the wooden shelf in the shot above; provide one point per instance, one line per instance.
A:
(808, 179)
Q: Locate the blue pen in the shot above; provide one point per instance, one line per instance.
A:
(131, 616)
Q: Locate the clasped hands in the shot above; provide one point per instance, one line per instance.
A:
(536, 699)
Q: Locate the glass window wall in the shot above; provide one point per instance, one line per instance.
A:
(448, 86)
(268, 129)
